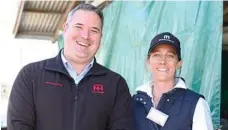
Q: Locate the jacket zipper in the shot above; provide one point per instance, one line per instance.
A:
(76, 98)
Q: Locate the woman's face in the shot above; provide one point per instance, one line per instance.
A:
(163, 62)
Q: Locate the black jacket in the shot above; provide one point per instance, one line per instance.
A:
(45, 97)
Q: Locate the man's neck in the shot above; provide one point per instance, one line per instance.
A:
(78, 68)
(77, 65)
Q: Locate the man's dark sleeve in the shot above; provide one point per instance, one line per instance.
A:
(121, 117)
(21, 110)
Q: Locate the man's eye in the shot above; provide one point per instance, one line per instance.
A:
(78, 27)
(94, 31)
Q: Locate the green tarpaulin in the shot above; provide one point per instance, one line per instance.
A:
(129, 27)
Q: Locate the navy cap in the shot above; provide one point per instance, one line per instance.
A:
(166, 38)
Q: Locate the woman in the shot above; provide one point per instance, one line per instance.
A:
(165, 103)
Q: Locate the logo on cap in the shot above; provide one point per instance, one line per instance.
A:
(166, 37)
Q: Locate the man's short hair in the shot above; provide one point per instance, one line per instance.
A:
(86, 7)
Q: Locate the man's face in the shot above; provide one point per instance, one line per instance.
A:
(163, 62)
(82, 36)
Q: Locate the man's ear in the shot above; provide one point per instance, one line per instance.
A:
(65, 27)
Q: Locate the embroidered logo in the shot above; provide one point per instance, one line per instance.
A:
(166, 37)
(98, 88)
(54, 84)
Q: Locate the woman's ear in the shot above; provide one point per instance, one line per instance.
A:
(179, 64)
(148, 60)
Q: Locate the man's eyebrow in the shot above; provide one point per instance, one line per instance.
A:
(78, 24)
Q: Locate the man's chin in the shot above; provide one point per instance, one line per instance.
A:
(81, 55)
(82, 58)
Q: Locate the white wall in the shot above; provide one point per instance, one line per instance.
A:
(16, 53)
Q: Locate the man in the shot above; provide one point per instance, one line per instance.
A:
(71, 91)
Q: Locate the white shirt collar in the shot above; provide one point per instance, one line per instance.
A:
(147, 87)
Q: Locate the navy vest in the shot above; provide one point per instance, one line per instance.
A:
(179, 104)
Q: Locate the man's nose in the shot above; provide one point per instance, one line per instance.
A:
(85, 34)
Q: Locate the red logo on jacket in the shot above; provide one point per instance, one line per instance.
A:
(54, 84)
(98, 88)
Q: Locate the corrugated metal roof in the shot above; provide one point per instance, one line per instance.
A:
(39, 22)
(43, 19)
(47, 6)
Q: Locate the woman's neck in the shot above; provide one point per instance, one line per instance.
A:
(161, 87)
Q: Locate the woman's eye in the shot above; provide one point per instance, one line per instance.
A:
(156, 55)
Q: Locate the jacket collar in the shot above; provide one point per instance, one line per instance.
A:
(56, 64)
(147, 87)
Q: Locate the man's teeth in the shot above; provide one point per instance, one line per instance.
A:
(83, 44)
(161, 69)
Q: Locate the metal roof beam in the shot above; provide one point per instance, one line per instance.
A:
(97, 2)
(20, 11)
(62, 20)
(41, 11)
